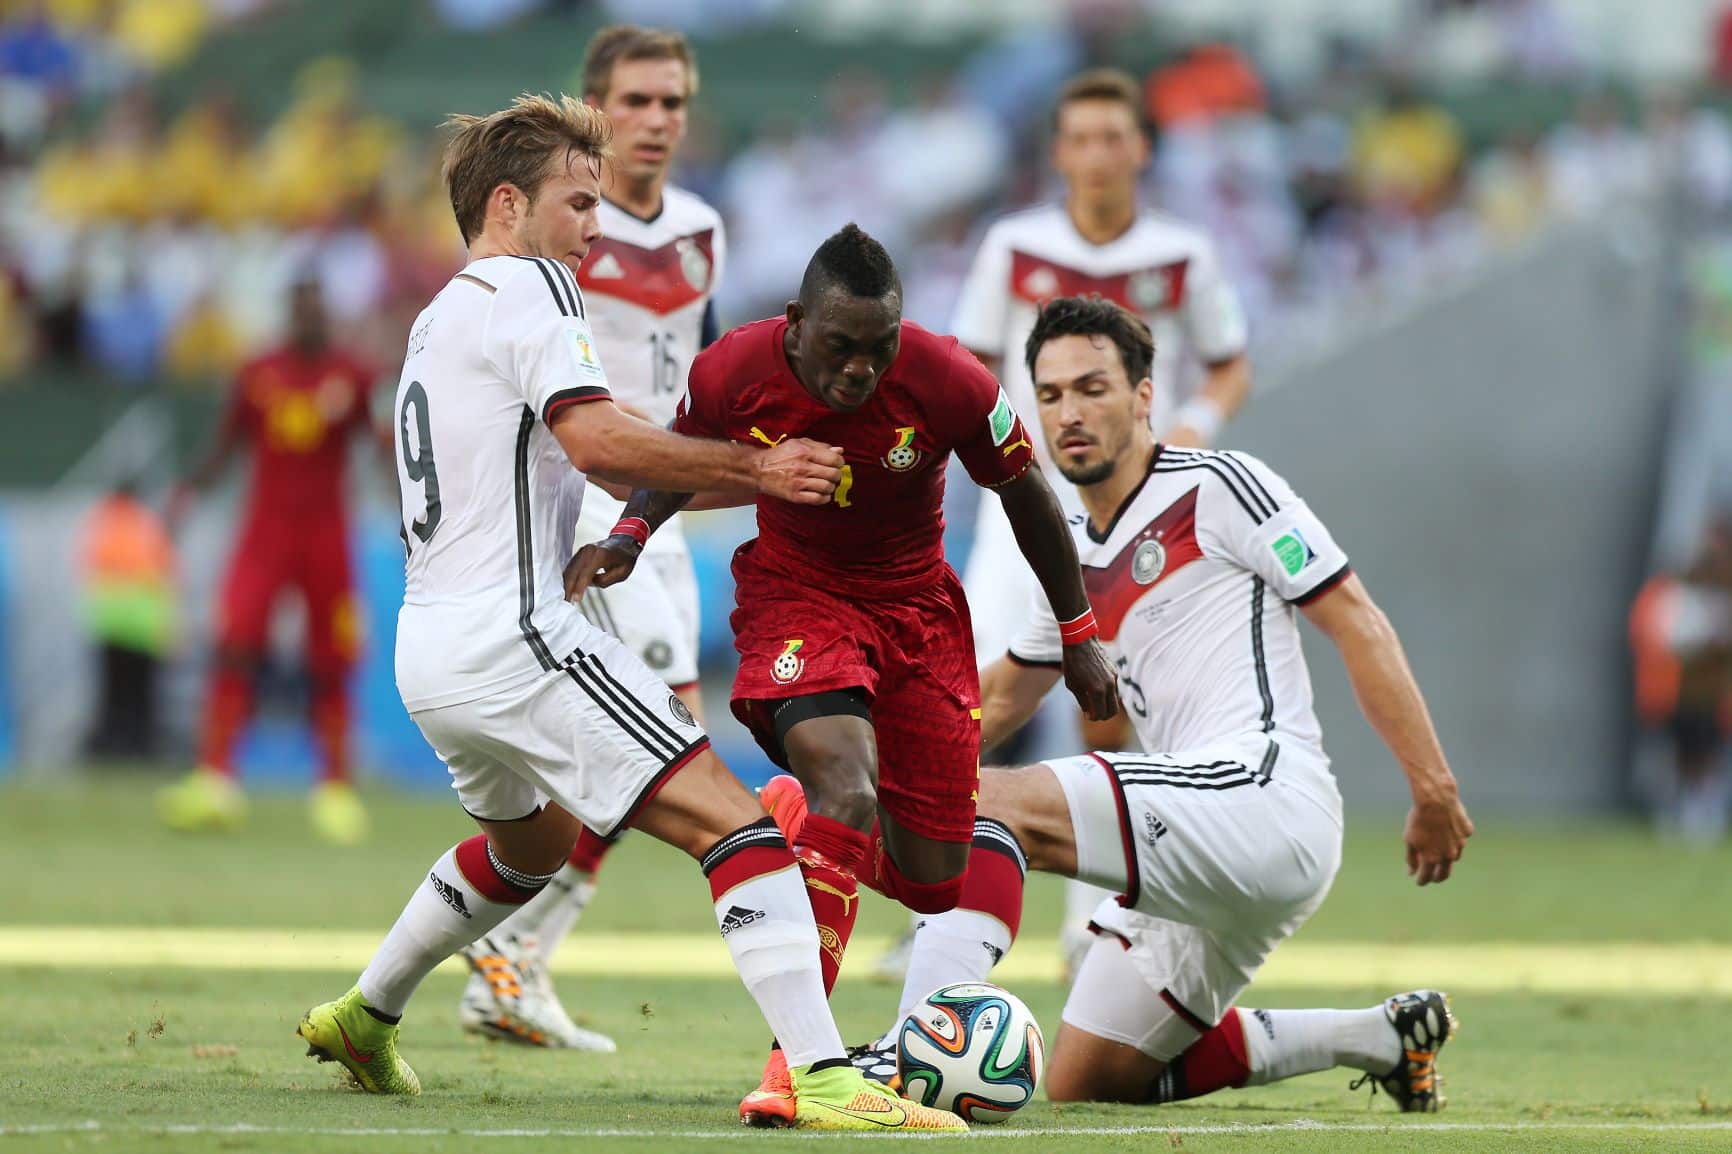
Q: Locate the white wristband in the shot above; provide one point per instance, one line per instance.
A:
(1202, 414)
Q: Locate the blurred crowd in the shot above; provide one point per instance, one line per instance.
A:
(146, 245)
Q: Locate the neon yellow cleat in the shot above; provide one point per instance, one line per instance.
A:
(202, 800)
(343, 1031)
(337, 814)
(841, 1099)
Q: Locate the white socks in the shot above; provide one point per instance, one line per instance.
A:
(445, 913)
(766, 918)
(955, 946)
(1286, 1043)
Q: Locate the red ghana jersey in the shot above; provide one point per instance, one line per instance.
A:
(297, 412)
(883, 534)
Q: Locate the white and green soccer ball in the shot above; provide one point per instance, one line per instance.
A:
(971, 1048)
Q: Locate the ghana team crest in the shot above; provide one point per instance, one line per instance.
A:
(902, 456)
(788, 664)
(1147, 562)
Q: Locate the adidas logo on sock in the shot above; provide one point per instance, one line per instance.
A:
(738, 916)
(997, 954)
(452, 895)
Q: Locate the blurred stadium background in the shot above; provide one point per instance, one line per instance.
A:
(1486, 248)
(1483, 244)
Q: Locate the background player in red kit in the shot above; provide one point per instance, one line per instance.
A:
(295, 409)
(857, 667)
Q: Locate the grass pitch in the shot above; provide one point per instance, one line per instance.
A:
(1589, 968)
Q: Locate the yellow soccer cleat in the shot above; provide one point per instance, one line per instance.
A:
(840, 1098)
(202, 800)
(337, 814)
(343, 1031)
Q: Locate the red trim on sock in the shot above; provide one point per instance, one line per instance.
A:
(754, 862)
(993, 885)
(921, 897)
(842, 844)
(477, 869)
(1133, 886)
(589, 851)
(1214, 1061)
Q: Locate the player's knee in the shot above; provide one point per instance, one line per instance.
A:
(1031, 804)
(1093, 1081)
(936, 896)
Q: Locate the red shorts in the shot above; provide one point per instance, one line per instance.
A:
(913, 656)
(313, 560)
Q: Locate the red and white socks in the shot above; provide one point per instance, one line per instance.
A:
(1256, 1047)
(467, 893)
(766, 919)
(963, 944)
(545, 922)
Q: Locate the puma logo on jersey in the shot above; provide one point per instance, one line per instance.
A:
(759, 435)
(1015, 445)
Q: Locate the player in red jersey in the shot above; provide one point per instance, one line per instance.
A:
(295, 409)
(857, 668)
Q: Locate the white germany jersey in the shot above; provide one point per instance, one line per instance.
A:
(1161, 269)
(1193, 585)
(489, 498)
(649, 284)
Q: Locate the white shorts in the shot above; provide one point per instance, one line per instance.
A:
(655, 610)
(599, 736)
(1220, 853)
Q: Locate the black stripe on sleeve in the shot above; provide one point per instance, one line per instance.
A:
(526, 548)
(1258, 492)
(1325, 585)
(572, 292)
(1181, 465)
(574, 396)
(558, 301)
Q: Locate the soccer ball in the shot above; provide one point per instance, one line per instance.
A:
(973, 1049)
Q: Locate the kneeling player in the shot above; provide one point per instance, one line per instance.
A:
(1193, 563)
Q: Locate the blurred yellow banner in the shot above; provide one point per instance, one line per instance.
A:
(1554, 968)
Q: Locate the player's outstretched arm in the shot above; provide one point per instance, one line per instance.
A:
(1437, 826)
(602, 440)
(1010, 693)
(1045, 542)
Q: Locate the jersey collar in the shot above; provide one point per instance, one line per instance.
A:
(650, 219)
(1088, 522)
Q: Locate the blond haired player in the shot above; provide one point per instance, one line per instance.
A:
(1222, 844)
(648, 284)
(543, 720)
(1099, 240)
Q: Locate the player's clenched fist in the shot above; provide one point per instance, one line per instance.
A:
(1437, 831)
(1090, 678)
(801, 471)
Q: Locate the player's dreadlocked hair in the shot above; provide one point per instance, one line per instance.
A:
(1093, 316)
(853, 262)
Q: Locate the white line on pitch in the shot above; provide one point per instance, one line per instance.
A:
(1300, 1125)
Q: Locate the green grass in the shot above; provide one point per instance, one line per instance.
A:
(84, 1047)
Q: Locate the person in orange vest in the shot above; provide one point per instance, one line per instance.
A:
(127, 565)
(1681, 636)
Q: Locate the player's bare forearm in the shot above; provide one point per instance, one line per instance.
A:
(1198, 421)
(1228, 384)
(1010, 694)
(698, 501)
(614, 446)
(655, 506)
(1384, 685)
(1437, 826)
(1038, 521)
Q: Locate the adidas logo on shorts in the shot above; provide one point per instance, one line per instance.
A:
(738, 916)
